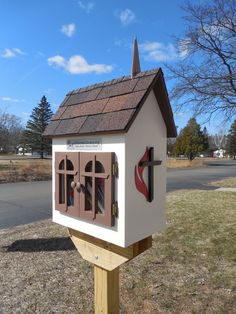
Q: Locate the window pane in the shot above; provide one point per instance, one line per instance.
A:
(70, 191)
(99, 167)
(61, 189)
(62, 165)
(88, 167)
(88, 193)
(69, 165)
(100, 190)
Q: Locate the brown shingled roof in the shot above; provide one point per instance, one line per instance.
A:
(110, 106)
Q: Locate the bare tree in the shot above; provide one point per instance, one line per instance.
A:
(205, 76)
(170, 145)
(220, 139)
(10, 132)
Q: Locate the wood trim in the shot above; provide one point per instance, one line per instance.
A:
(104, 254)
(161, 94)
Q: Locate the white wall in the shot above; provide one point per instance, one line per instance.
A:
(141, 217)
(110, 143)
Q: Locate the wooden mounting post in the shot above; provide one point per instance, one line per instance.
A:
(106, 290)
(106, 258)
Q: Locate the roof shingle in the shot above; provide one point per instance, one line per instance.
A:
(84, 109)
(110, 106)
(111, 121)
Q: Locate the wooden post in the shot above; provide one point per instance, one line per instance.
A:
(106, 258)
(106, 290)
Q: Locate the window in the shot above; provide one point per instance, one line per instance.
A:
(86, 187)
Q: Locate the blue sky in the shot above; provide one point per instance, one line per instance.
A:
(50, 47)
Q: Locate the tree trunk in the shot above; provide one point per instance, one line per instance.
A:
(191, 156)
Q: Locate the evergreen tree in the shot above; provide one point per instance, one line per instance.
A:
(36, 125)
(191, 140)
(231, 141)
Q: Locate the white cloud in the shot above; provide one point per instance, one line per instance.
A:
(68, 29)
(8, 53)
(127, 17)
(11, 53)
(184, 47)
(9, 99)
(88, 7)
(57, 60)
(156, 51)
(6, 98)
(78, 65)
(19, 51)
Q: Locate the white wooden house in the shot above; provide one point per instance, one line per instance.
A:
(109, 153)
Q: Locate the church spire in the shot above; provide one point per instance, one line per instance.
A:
(135, 64)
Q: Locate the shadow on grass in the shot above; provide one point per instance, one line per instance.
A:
(43, 244)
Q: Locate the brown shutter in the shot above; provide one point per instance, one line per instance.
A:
(97, 182)
(66, 171)
(106, 218)
(60, 202)
(87, 182)
(92, 193)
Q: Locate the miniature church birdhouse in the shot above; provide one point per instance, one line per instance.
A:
(109, 152)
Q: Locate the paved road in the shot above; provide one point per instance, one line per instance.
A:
(198, 178)
(22, 203)
(25, 202)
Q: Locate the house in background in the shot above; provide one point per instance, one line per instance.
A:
(23, 150)
(219, 153)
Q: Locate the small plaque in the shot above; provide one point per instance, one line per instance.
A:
(85, 144)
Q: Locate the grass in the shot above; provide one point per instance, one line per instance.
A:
(227, 183)
(191, 267)
(25, 170)
(185, 163)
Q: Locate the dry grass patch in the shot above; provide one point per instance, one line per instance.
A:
(184, 163)
(227, 183)
(190, 269)
(25, 170)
